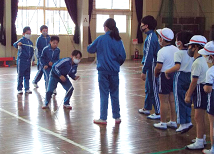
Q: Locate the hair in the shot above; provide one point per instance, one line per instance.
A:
(184, 37)
(76, 52)
(111, 24)
(150, 21)
(54, 38)
(26, 29)
(43, 27)
(198, 45)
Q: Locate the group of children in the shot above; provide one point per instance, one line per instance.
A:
(174, 75)
(184, 77)
(48, 63)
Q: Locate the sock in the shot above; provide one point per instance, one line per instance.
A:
(204, 137)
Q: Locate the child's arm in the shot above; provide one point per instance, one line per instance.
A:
(17, 43)
(92, 48)
(158, 69)
(122, 54)
(43, 59)
(172, 70)
(191, 89)
(208, 88)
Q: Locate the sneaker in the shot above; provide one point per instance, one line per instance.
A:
(195, 146)
(45, 107)
(20, 92)
(144, 111)
(171, 124)
(67, 106)
(205, 151)
(181, 128)
(160, 125)
(35, 85)
(28, 92)
(117, 121)
(188, 127)
(154, 116)
(205, 142)
(54, 92)
(100, 121)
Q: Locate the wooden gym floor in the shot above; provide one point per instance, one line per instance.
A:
(27, 129)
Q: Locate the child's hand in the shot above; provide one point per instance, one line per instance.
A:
(143, 76)
(19, 44)
(45, 67)
(62, 78)
(50, 63)
(187, 99)
(77, 77)
(167, 75)
(33, 63)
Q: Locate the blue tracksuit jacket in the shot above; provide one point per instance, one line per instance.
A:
(150, 50)
(42, 42)
(64, 67)
(49, 55)
(25, 53)
(110, 54)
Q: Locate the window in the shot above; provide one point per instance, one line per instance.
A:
(112, 4)
(121, 23)
(35, 13)
(100, 21)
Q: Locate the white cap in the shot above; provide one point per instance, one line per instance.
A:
(197, 39)
(208, 49)
(166, 34)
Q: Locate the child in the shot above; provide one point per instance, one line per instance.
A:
(59, 72)
(25, 54)
(50, 55)
(164, 62)
(42, 41)
(181, 80)
(110, 56)
(150, 50)
(198, 75)
(208, 51)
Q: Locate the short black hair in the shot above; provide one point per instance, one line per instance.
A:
(54, 38)
(26, 29)
(198, 45)
(76, 52)
(184, 37)
(150, 21)
(43, 27)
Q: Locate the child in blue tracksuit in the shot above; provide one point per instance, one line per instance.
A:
(42, 41)
(50, 55)
(59, 72)
(25, 54)
(181, 80)
(110, 56)
(150, 50)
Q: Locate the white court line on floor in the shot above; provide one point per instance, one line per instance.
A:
(50, 132)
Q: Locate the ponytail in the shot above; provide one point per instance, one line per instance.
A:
(114, 33)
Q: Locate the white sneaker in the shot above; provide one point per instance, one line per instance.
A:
(160, 125)
(117, 121)
(204, 137)
(181, 128)
(171, 124)
(28, 92)
(197, 145)
(100, 121)
(20, 92)
(144, 111)
(35, 85)
(154, 117)
(205, 151)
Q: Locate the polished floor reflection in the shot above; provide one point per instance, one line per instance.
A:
(27, 129)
